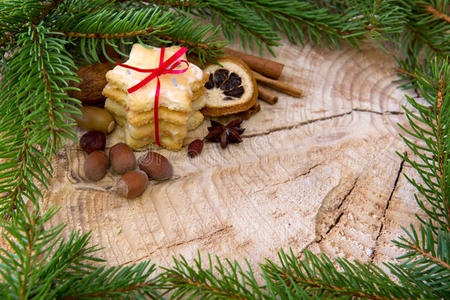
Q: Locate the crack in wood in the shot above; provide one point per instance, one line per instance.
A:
(298, 125)
(383, 217)
(333, 225)
(303, 123)
(338, 208)
(299, 175)
(348, 193)
(383, 113)
(318, 239)
(209, 235)
(289, 179)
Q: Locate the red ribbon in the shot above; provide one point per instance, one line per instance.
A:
(164, 67)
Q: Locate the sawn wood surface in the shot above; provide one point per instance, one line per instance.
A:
(318, 173)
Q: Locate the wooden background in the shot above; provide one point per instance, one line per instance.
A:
(316, 173)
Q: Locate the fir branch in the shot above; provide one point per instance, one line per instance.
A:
(19, 157)
(104, 294)
(377, 19)
(96, 35)
(144, 25)
(36, 88)
(30, 243)
(427, 259)
(411, 75)
(317, 285)
(300, 19)
(26, 269)
(381, 18)
(437, 13)
(124, 281)
(5, 39)
(425, 34)
(47, 8)
(318, 277)
(312, 277)
(237, 22)
(9, 200)
(198, 287)
(215, 281)
(42, 265)
(429, 256)
(34, 121)
(430, 125)
(173, 3)
(420, 36)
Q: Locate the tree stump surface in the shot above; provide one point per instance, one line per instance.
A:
(318, 173)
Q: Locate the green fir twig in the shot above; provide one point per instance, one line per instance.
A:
(39, 44)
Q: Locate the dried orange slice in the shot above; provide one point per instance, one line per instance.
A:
(231, 88)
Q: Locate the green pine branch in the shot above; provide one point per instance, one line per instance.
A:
(301, 21)
(426, 35)
(237, 22)
(313, 277)
(39, 42)
(428, 139)
(318, 277)
(112, 27)
(216, 280)
(43, 265)
(429, 17)
(427, 258)
(36, 116)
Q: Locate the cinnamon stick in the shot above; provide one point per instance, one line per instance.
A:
(266, 95)
(264, 66)
(279, 85)
(248, 113)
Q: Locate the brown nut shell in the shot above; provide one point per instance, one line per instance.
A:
(95, 165)
(132, 184)
(95, 118)
(93, 80)
(157, 166)
(93, 141)
(122, 158)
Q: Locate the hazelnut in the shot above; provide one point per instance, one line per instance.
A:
(156, 166)
(93, 141)
(132, 184)
(95, 165)
(95, 118)
(122, 158)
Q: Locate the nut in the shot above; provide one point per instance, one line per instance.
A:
(95, 165)
(195, 148)
(132, 184)
(95, 118)
(122, 158)
(93, 80)
(93, 141)
(156, 166)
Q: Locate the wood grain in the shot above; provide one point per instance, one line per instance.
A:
(315, 173)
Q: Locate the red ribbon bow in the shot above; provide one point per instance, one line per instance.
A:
(164, 67)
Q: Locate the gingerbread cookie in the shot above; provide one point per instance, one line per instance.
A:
(181, 90)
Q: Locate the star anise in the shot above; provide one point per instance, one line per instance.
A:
(225, 134)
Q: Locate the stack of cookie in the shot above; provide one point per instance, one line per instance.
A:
(179, 99)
